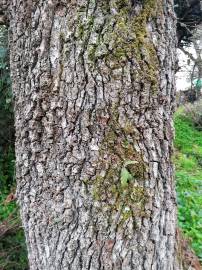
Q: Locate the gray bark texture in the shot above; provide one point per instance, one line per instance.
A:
(93, 84)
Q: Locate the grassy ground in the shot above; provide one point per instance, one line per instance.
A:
(188, 161)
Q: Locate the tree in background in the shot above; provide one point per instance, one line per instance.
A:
(189, 16)
(189, 19)
(193, 65)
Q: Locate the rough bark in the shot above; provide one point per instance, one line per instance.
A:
(94, 90)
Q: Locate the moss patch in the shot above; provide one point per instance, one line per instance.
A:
(118, 159)
(131, 40)
(123, 38)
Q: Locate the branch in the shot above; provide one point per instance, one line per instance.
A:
(188, 54)
(190, 7)
(184, 25)
(3, 20)
(192, 76)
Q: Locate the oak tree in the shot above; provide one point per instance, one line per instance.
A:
(94, 91)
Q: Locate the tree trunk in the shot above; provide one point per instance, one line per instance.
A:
(198, 64)
(93, 83)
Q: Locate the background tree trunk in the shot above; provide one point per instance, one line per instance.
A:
(94, 89)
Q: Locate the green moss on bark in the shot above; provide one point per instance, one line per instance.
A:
(132, 40)
(126, 38)
(118, 153)
(123, 38)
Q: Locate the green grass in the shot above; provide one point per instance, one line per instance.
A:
(188, 162)
(13, 252)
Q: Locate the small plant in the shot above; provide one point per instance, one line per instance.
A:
(126, 176)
